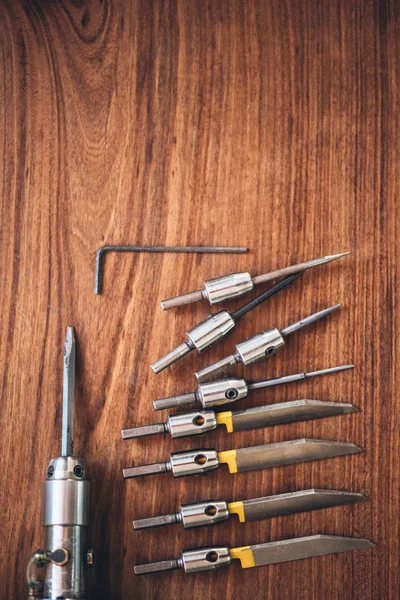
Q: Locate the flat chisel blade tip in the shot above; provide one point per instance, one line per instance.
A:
(305, 547)
(297, 502)
(67, 436)
(288, 453)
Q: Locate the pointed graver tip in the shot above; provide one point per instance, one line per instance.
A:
(335, 256)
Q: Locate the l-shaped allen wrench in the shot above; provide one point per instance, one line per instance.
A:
(98, 283)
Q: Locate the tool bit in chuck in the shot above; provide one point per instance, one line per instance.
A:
(261, 345)
(231, 286)
(67, 436)
(216, 326)
(226, 391)
(213, 558)
(66, 509)
(210, 512)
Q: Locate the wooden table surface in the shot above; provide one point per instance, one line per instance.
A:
(273, 125)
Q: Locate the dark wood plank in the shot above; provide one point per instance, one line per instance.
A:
(268, 124)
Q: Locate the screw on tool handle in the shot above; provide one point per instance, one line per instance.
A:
(212, 393)
(261, 345)
(226, 391)
(233, 285)
(216, 326)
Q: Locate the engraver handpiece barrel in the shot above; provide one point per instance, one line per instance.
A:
(65, 514)
(230, 286)
(261, 345)
(232, 389)
(216, 326)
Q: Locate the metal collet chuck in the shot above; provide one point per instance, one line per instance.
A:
(65, 514)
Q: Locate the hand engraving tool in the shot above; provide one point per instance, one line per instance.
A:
(201, 461)
(198, 422)
(230, 286)
(216, 326)
(210, 512)
(101, 252)
(225, 391)
(65, 509)
(261, 345)
(212, 558)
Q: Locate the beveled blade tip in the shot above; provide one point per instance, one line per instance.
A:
(70, 333)
(305, 547)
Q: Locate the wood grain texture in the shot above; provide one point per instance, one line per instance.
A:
(268, 124)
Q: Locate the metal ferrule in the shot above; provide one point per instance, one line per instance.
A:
(191, 423)
(66, 493)
(193, 462)
(228, 286)
(210, 330)
(225, 391)
(211, 558)
(198, 514)
(259, 346)
(66, 518)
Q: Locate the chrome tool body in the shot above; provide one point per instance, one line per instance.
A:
(232, 389)
(216, 326)
(65, 514)
(261, 345)
(233, 285)
(201, 461)
(199, 422)
(212, 558)
(210, 512)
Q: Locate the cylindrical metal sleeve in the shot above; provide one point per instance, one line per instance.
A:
(259, 346)
(192, 423)
(66, 581)
(224, 391)
(198, 514)
(228, 286)
(193, 462)
(205, 559)
(210, 330)
(66, 502)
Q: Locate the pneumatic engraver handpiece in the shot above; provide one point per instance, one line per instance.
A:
(65, 514)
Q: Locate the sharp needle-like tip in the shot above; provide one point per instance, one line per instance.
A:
(335, 256)
(310, 319)
(329, 370)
